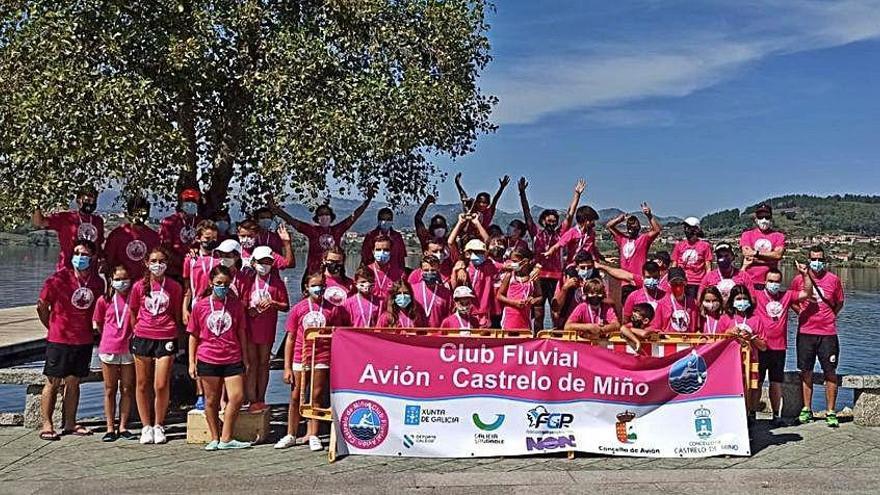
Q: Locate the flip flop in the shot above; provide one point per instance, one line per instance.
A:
(78, 431)
(49, 436)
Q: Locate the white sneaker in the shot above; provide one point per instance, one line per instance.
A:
(159, 434)
(146, 435)
(287, 441)
(315, 444)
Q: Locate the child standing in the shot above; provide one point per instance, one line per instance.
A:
(518, 292)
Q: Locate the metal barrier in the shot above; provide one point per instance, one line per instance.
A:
(661, 345)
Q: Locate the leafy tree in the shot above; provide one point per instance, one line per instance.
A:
(240, 97)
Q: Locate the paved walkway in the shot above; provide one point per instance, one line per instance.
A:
(22, 336)
(799, 459)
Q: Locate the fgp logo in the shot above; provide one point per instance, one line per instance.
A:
(364, 424)
(703, 422)
(539, 418)
(412, 415)
(499, 418)
(550, 443)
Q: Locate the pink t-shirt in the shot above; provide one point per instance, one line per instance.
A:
(576, 240)
(712, 325)
(482, 282)
(363, 312)
(158, 314)
(320, 240)
(762, 242)
(716, 279)
(280, 263)
(415, 277)
(71, 300)
(753, 324)
(517, 318)
(584, 313)
(678, 317)
(197, 271)
(550, 267)
(633, 252)
(178, 232)
(307, 314)
(128, 245)
(262, 324)
(73, 225)
(692, 258)
(386, 276)
(435, 300)
(115, 319)
(271, 239)
(456, 320)
(643, 295)
(403, 320)
(773, 310)
(816, 317)
(398, 248)
(217, 325)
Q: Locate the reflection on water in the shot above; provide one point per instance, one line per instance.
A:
(28, 267)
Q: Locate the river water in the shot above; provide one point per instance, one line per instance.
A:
(28, 267)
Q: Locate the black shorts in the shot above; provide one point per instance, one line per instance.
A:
(63, 360)
(153, 348)
(221, 370)
(825, 347)
(771, 363)
(548, 289)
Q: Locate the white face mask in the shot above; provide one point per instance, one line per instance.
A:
(764, 223)
(364, 287)
(247, 242)
(439, 232)
(711, 306)
(262, 269)
(227, 262)
(158, 268)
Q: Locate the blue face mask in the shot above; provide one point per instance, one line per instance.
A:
(817, 265)
(477, 259)
(382, 256)
(267, 223)
(385, 225)
(189, 208)
(402, 300)
(220, 291)
(773, 287)
(585, 273)
(222, 226)
(651, 283)
(430, 277)
(742, 305)
(80, 262)
(316, 290)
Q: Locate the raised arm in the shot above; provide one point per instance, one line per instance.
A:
(502, 184)
(579, 189)
(39, 220)
(287, 217)
(481, 231)
(419, 220)
(656, 228)
(524, 201)
(452, 241)
(613, 223)
(616, 273)
(462, 194)
(286, 246)
(351, 219)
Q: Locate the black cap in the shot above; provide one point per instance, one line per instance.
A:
(764, 208)
(676, 273)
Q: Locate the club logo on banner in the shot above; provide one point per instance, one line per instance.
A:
(469, 397)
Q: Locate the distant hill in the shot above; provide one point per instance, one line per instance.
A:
(805, 215)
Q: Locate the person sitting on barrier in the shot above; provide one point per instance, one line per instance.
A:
(299, 356)
(678, 309)
(266, 296)
(362, 309)
(218, 356)
(594, 317)
(638, 328)
(386, 272)
(155, 305)
(519, 291)
(712, 319)
(334, 270)
(462, 316)
(748, 326)
(117, 364)
(445, 261)
(570, 293)
(664, 261)
(65, 307)
(434, 297)
(403, 311)
(648, 290)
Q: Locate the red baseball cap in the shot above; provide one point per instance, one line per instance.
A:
(190, 194)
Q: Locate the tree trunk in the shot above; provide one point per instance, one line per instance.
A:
(187, 119)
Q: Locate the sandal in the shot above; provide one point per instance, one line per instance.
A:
(49, 436)
(78, 430)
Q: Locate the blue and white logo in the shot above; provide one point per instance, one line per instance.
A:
(412, 415)
(703, 422)
(688, 374)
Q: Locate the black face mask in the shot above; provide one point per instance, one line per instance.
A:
(88, 208)
(333, 268)
(209, 245)
(637, 323)
(139, 217)
(633, 233)
(551, 227)
(497, 251)
(595, 300)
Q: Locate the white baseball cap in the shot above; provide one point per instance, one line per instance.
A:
(262, 252)
(463, 292)
(475, 245)
(229, 246)
(692, 221)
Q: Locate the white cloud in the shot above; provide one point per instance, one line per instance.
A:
(615, 74)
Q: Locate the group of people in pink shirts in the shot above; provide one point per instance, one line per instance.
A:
(136, 290)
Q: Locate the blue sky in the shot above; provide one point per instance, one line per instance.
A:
(691, 106)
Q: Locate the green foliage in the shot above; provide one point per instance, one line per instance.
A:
(243, 97)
